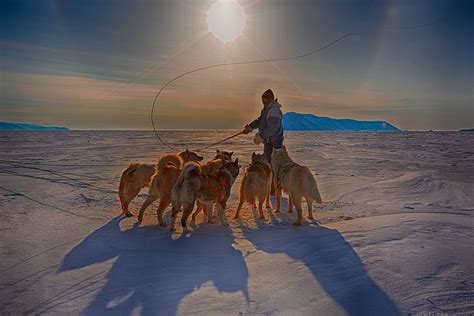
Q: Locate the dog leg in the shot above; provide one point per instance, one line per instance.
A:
(309, 202)
(198, 210)
(221, 212)
(150, 199)
(237, 212)
(267, 201)
(174, 213)
(164, 202)
(125, 211)
(187, 210)
(209, 211)
(260, 207)
(129, 196)
(299, 210)
(278, 200)
(290, 205)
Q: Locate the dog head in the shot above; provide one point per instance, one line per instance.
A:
(188, 156)
(224, 155)
(279, 156)
(258, 158)
(233, 167)
(212, 166)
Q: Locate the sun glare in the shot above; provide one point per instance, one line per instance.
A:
(226, 20)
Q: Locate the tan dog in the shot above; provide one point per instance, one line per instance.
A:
(168, 169)
(220, 154)
(296, 180)
(133, 179)
(209, 189)
(256, 184)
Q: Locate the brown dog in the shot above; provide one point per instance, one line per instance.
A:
(256, 184)
(224, 155)
(208, 188)
(168, 169)
(220, 154)
(296, 180)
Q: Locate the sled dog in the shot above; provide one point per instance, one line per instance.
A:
(133, 179)
(256, 184)
(167, 171)
(296, 180)
(224, 155)
(220, 154)
(194, 184)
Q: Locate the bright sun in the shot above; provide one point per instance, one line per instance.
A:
(226, 20)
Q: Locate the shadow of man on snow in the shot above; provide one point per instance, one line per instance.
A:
(152, 271)
(332, 261)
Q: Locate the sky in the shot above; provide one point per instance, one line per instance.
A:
(98, 64)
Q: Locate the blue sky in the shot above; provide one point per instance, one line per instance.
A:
(97, 64)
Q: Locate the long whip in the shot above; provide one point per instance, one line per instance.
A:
(228, 64)
(329, 44)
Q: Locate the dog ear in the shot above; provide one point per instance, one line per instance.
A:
(231, 153)
(217, 151)
(187, 150)
(253, 154)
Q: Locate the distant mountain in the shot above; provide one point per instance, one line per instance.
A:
(467, 130)
(20, 126)
(308, 122)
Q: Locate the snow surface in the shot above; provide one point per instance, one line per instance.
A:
(395, 234)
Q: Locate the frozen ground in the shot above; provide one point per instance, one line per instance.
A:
(395, 234)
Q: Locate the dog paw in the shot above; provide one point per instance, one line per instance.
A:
(163, 224)
(297, 224)
(310, 218)
(128, 214)
(172, 229)
(225, 224)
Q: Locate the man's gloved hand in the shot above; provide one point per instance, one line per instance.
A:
(247, 129)
(257, 139)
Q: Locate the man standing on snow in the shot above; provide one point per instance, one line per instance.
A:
(269, 124)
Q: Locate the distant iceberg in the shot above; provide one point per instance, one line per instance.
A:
(308, 122)
(21, 126)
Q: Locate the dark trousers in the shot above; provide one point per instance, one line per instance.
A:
(267, 150)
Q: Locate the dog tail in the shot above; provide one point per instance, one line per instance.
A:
(189, 169)
(127, 172)
(311, 186)
(169, 160)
